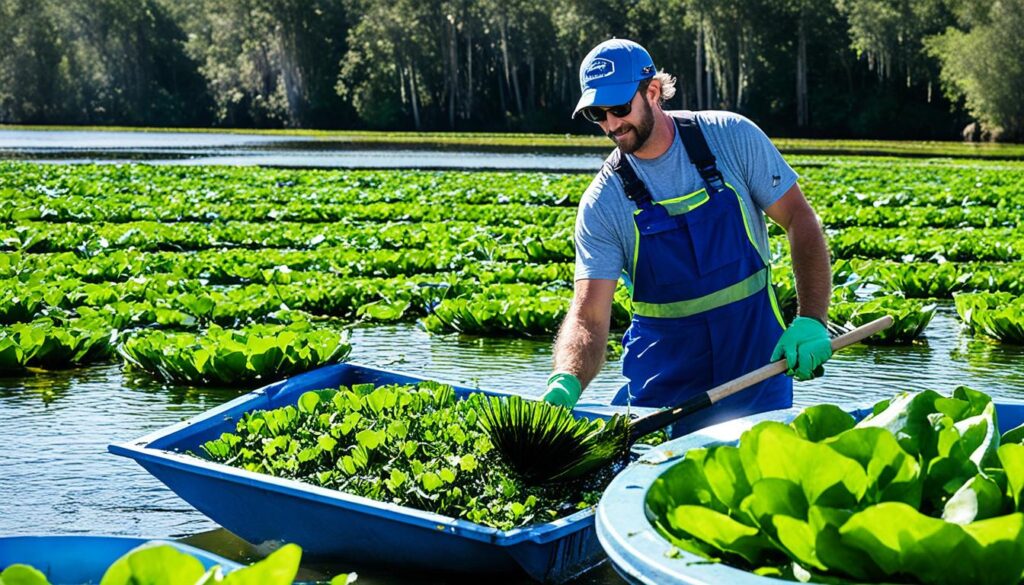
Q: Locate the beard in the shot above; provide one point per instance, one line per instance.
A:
(632, 138)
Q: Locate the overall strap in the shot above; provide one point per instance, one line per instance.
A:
(635, 189)
(699, 153)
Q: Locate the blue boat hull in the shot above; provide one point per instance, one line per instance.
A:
(84, 559)
(329, 523)
(635, 548)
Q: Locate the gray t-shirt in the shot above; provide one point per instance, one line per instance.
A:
(748, 160)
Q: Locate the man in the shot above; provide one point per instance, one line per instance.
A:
(678, 211)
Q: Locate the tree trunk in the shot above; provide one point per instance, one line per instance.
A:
(468, 112)
(511, 80)
(414, 97)
(453, 76)
(741, 69)
(698, 68)
(801, 72)
(531, 90)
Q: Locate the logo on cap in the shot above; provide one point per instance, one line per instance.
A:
(598, 68)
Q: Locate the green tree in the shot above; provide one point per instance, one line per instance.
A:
(266, 62)
(984, 66)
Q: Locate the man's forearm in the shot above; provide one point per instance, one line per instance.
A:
(580, 346)
(811, 266)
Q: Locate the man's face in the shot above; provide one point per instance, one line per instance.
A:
(630, 132)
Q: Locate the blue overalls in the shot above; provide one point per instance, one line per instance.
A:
(704, 311)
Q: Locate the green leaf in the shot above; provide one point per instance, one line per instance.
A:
(723, 469)
(1012, 458)
(1015, 435)
(799, 540)
(978, 499)
(721, 531)
(907, 417)
(397, 479)
(154, 565)
(22, 575)
(371, 439)
(308, 402)
(279, 568)
(773, 496)
(892, 474)
(431, 481)
(398, 429)
(326, 443)
(468, 463)
(821, 422)
(827, 478)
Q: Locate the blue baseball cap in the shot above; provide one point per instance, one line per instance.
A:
(611, 72)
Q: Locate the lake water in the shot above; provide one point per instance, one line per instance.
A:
(57, 476)
(55, 426)
(179, 148)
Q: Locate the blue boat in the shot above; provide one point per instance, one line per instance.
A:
(635, 548)
(330, 523)
(74, 560)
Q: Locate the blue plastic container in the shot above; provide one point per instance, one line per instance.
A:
(636, 549)
(74, 560)
(330, 523)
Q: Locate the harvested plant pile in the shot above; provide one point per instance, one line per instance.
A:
(416, 446)
(923, 490)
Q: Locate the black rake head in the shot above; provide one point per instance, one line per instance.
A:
(546, 443)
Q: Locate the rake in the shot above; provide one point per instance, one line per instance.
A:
(546, 443)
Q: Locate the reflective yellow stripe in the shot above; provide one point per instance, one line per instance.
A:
(775, 302)
(686, 203)
(636, 248)
(746, 224)
(730, 294)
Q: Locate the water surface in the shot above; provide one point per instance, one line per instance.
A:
(55, 426)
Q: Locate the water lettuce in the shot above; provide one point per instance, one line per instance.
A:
(996, 315)
(416, 446)
(258, 353)
(920, 489)
(910, 317)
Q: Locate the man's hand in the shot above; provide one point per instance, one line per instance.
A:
(563, 390)
(806, 346)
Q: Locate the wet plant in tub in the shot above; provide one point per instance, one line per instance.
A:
(923, 489)
(416, 446)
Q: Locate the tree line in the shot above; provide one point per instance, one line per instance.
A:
(836, 68)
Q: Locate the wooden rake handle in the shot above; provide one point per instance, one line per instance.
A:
(764, 372)
(662, 418)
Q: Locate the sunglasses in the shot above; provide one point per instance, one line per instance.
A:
(600, 114)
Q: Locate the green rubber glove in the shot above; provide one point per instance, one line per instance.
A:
(563, 390)
(806, 346)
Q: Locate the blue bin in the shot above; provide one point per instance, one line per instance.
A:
(75, 560)
(635, 548)
(330, 523)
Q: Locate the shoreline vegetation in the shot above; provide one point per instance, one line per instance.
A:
(575, 143)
